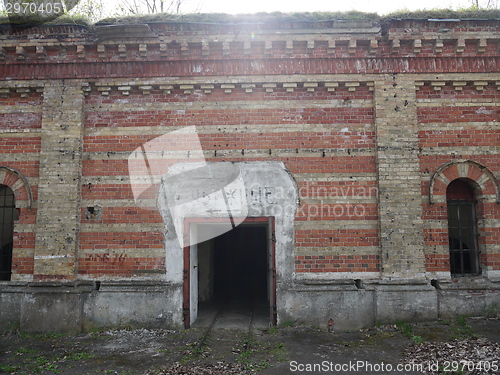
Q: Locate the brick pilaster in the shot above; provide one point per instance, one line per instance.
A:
(59, 194)
(400, 197)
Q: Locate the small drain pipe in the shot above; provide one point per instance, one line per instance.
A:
(359, 284)
(435, 284)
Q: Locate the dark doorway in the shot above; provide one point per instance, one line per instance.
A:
(7, 217)
(234, 279)
(462, 229)
(240, 264)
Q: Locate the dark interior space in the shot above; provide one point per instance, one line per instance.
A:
(7, 217)
(233, 278)
(240, 264)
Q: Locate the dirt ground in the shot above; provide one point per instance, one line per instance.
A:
(284, 350)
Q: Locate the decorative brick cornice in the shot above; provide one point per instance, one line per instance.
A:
(457, 43)
(458, 84)
(144, 42)
(188, 87)
(24, 90)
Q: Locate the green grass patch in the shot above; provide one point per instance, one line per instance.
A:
(79, 356)
(194, 350)
(280, 17)
(466, 13)
(9, 369)
(224, 18)
(492, 311)
(462, 329)
(258, 18)
(407, 330)
(32, 361)
(256, 356)
(272, 330)
(25, 350)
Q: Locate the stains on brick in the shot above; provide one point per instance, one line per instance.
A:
(93, 212)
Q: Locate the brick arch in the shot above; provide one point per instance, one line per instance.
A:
(19, 185)
(469, 169)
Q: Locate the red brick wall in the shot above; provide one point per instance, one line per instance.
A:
(317, 154)
(460, 126)
(325, 137)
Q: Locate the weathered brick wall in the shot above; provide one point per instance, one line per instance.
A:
(362, 118)
(458, 120)
(326, 138)
(20, 143)
(400, 210)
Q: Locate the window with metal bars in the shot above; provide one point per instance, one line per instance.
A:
(7, 217)
(462, 228)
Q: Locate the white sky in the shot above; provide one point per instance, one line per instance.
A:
(376, 6)
(286, 6)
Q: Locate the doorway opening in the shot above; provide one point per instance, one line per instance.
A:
(462, 228)
(7, 217)
(232, 276)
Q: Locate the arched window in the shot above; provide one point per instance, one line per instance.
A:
(7, 217)
(462, 230)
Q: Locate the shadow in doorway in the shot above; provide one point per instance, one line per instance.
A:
(233, 279)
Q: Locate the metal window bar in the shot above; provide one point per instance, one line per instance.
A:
(464, 257)
(7, 217)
